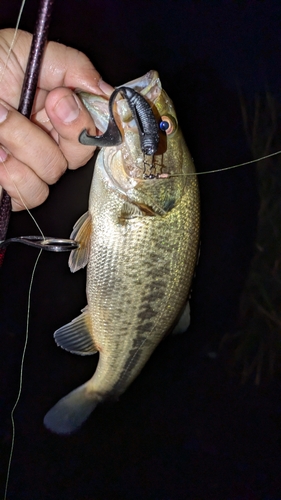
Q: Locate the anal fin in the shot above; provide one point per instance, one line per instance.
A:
(76, 336)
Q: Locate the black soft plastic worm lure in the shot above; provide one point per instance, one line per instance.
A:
(144, 117)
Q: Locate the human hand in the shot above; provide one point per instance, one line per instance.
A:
(37, 152)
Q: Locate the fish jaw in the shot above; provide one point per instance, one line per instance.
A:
(98, 109)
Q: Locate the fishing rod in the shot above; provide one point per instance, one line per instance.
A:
(38, 44)
(52, 244)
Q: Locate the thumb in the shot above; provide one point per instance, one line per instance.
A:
(69, 117)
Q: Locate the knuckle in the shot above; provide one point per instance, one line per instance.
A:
(81, 160)
(18, 136)
(39, 194)
(24, 187)
(55, 166)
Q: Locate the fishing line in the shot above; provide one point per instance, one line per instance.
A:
(21, 375)
(239, 164)
(13, 40)
(31, 280)
(188, 174)
(22, 200)
(26, 336)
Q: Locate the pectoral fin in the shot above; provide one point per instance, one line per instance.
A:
(76, 336)
(131, 210)
(81, 233)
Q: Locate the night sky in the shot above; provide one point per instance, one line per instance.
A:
(186, 429)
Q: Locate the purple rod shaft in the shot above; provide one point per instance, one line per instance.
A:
(35, 57)
(28, 93)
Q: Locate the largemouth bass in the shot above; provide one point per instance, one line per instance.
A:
(139, 240)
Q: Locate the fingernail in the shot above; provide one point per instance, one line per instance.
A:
(67, 109)
(105, 87)
(3, 154)
(3, 113)
(41, 117)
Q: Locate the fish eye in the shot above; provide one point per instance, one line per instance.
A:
(167, 124)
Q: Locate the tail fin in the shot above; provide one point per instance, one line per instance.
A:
(72, 410)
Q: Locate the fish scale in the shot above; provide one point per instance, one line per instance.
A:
(139, 240)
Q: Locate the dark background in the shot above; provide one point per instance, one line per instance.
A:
(186, 428)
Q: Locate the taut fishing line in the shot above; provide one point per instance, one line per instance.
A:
(228, 168)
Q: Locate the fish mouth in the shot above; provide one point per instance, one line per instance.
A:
(130, 123)
(148, 85)
(131, 109)
(130, 149)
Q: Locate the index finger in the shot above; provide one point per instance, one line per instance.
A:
(61, 66)
(64, 66)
